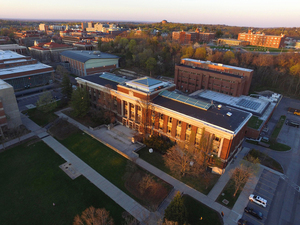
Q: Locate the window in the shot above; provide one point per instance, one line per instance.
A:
(179, 123)
(170, 119)
(161, 116)
(187, 137)
(189, 127)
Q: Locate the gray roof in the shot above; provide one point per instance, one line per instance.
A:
(213, 115)
(84, 56)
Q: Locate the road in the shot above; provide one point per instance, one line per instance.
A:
(285, 207)
(29, 99)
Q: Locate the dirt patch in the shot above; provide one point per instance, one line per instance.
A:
(151, 196)
(62, 129)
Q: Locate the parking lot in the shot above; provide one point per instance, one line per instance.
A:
(265, 188)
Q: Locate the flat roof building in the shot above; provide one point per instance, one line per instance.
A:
(232, 42)
(192, 75)
(22, 71)
(151, 106)
(261, 39)
(84, 63)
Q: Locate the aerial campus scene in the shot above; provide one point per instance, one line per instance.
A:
(159, 112)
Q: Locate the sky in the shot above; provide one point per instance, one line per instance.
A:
(253, 13)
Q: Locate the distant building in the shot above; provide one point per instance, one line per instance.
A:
(48, 52)
(189, 37)
(164, 21)
(261, 39)
(192, 75)
(232, 42)
(28, 37)
(82, 45)
(43, 27)
(84, 63)
(22, 71)
(15, 48)
(4, 40)
(297, 45)
(9, 111)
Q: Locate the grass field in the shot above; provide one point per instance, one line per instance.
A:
(228, 194)
(107, 162)
(31, 182)
(265, 160)
(254, 122)
(197, 210)
(278, 127)
(156, 160)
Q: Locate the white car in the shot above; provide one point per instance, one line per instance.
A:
(258, 200)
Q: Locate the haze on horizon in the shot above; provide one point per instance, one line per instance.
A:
(255, 13)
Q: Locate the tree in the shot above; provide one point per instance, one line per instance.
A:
(92, 216)
(80, 102)
(219, 33)
(46, 103)
(150, 64)
(241, 174)
(178, 160)
(200, 53)
(295, 72)
(177, 211)
(66, 87)
(60, 70)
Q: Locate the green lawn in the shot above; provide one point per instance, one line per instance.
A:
(265, 160)
(42, 118)
(104, 160)
(197, 210)
(39, 117)
(156, 160)
(31, 182)
(228, 194)
(254, 122)
(278, 127)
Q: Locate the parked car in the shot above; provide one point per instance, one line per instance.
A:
(254, 213)
(258, 200)
(242, 222)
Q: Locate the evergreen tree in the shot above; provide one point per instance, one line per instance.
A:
(66, 87)
(176, 211)
(80, 102)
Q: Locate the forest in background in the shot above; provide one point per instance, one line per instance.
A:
(156, 55)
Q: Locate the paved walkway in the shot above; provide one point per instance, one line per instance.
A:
(124, 145)
(126, 202)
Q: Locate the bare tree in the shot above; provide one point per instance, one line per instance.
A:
(178, 160)
(146, 183)
(92, 216)
(241, 174)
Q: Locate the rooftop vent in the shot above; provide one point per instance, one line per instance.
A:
(229, 114)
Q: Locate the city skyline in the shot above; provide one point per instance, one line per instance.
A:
(232, 12)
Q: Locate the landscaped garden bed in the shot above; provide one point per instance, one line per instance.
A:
(265, 160)
(198, 183)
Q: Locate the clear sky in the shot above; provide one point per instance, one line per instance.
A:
(253, 13)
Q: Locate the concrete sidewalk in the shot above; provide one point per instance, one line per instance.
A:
(122, 199)
(230, 216)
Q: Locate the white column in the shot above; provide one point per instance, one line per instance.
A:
(122, 108)
(220, 147)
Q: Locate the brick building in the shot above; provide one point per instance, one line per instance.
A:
(23, 71)
(192, 75)
(15, 48)
(49, 51)
(181, 118)
(261, 39)
(232, 42)
(189, 37)
(83, 63)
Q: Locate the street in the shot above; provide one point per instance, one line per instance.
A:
(285, 206)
